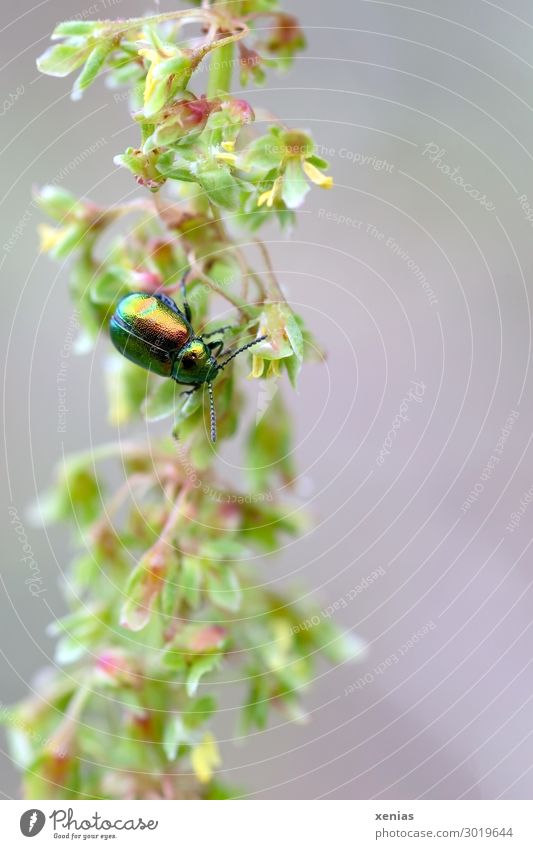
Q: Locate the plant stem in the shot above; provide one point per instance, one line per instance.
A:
(220, 71)
(275, 292)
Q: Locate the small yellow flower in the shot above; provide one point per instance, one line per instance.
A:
(228, 145)
(316, 176)
(279, 649)
(258, 365)
(273, 369)
(269, 196)
(283, 634)
(155, 59)
(266, 197)
(229, 158)
(205, 758)
(49, 237)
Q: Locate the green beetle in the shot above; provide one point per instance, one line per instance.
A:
(152, 331)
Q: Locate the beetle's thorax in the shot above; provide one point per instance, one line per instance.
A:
(194, 364)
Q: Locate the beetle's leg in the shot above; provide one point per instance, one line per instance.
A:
(219, 344)
(186, 307)
(190, 391)
(217, 331)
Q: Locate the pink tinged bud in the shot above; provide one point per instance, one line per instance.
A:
(147, 281)
(107, 662)
(114, 666)
(230, 516)
(111, 664)
(240, 110)
(141, 720)
(207, 639)
(196, 112)
(182, 118)
(148, 182)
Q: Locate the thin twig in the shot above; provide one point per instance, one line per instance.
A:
(275, 289)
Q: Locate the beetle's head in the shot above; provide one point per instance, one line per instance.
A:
(195, 364)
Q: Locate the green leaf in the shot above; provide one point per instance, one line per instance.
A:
(47, 509)
(224, 548)
(69, 28)
(223, 589)
(199, 711)
(293, 366)
(171, 131)
(177, 66)
(174, 735)
(143, 586)
(111, 285)
(222, 792)
(268, 448)
(157, 99)
(255, 711)
(225, 271)
(68, 239)
(61, 59)
(68, 650)
(174, 168)
(294, 187)
(200, 668)
(191, 578)
(171, 593)
(58, 203)
(81, 493)
(81, 623)
(174, 659)
(84, 569)
(220, 186)
(295, 336)
(131, 160)
(126, 387)
(337, 645)
(20, 748)
(93, 66)
(264, 154)
(163, 402)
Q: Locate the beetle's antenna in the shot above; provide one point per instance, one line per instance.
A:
(212, 413)
(239, 351)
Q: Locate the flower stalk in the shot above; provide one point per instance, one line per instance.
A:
(161, 591)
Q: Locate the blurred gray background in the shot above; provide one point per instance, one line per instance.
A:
(415, 267)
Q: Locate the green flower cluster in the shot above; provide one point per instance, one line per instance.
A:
(162, 592)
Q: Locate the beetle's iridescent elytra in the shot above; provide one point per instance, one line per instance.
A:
(152, 331)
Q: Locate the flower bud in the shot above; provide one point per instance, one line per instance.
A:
(287, 36)
(239, 110)
(296, 143)
(207, 639)
(114, 666)
(147, 281)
